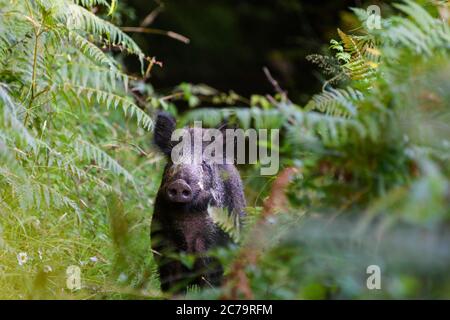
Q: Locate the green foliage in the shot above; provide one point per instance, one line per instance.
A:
(65, 152)
(373, 155)
(228, 223)
(77, 179)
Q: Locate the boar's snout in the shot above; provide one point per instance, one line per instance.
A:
(179, 191)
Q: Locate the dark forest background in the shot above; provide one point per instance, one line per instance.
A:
(364, 146)
(231, 41)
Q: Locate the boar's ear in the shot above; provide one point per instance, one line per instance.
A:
(165, 125)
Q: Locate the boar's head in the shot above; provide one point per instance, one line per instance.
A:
(194, 183)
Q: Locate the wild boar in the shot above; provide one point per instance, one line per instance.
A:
(181, 222)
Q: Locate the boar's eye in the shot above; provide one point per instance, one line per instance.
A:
(164, 127)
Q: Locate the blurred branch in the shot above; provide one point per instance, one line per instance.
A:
(275, 84)
(170, 34)
(277, 200)
(148, 20)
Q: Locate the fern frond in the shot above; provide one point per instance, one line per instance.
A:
(78, 18)
(113, 101)
(331, 130)
(86, 150)
(91, 50)
(419, 31)
(229, 223)
(362, 63)
(335, 102)
(92, 3)
(82, 174)
(245, 117)
(95, 76)
(30, 193)
(11, 114)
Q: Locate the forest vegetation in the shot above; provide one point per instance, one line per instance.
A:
(364, 163)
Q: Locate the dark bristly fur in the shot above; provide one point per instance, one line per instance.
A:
(187, 227)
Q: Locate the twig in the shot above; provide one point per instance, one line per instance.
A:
(170, 34)
(171, 96)
(148, 20)
(151, 62)
(275, 84)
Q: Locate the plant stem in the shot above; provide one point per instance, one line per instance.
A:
(37, 34)
(33, 79)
